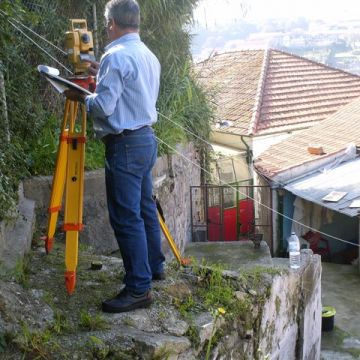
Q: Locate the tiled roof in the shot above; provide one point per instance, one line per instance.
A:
(267, 91)
(334, 135)
(234, 78)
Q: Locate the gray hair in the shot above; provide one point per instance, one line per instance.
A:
(125, 13)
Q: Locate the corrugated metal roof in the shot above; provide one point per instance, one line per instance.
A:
(342, 178)
(264, 92)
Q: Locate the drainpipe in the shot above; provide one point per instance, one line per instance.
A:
(249, 153)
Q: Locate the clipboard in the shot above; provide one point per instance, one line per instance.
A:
(60, 84)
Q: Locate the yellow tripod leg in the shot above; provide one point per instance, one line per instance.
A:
(74, 198)
(173, 246)
(58, 182)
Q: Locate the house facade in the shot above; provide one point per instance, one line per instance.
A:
(316, 186)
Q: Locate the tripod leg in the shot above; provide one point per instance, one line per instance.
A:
(74, 200)
(173, 246)
(58, 182)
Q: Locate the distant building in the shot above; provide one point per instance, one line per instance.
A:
(318, 189)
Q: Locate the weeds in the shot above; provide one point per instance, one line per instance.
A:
(3, 342)
(22, 270)
(218, 313)
(36, 344)
(254, 276)
(162, 354)
(92, 322)
(216, 290)
(60, 325)
(193, 334)
(185, 306)
(97, 347)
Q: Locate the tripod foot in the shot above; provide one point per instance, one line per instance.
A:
(49, 242)
(185, 261)
(70, 280)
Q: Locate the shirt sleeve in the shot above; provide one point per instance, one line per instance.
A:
(109, 87)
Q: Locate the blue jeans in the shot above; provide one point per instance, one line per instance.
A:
(132, 210)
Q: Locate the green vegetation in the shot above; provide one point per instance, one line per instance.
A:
(236, 299)
(35, 344)
(254, 276)
(34, 111)
(92, 322)
(3, 342)
(61, 324)
(213, 340)
(186, 306)
(162, 354)
(22, 270)
(98, 349)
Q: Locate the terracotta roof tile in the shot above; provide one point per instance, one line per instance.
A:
(264, 92)
(234, 79)
(334, 134)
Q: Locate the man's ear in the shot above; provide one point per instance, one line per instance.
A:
(111, 24)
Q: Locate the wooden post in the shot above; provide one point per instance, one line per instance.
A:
(95, 31)
(4, 106)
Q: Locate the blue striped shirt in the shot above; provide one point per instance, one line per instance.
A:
(127, 87)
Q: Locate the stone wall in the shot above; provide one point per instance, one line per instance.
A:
(291, 319)
(17, 231)
(173, 175)
(284, 319)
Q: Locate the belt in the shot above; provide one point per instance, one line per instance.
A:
(109, 138)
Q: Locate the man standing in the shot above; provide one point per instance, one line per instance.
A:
(123, 107)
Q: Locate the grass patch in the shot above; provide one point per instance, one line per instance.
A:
(36, 344)
(61, 324)
(97, 348)
(215, 290)
(21, 271)
(185, 306)
(92, 322)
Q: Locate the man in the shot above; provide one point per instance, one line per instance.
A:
(123, 107)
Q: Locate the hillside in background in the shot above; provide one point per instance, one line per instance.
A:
(336, 44)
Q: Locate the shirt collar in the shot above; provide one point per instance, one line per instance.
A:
(123, 39)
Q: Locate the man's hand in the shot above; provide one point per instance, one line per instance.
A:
(93, 69)
(75, 95)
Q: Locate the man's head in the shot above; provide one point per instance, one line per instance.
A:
(122, 16)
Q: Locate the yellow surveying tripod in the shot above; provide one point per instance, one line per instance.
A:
(69, 175)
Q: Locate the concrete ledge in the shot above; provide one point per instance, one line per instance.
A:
(231, 254)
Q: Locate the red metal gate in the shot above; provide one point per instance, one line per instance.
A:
(224, 213)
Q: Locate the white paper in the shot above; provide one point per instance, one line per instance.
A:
(334, 196)
(59, 83)
(48, 70)
(355, 204)
(59, 87)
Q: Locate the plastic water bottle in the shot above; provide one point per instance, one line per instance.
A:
(294, 251)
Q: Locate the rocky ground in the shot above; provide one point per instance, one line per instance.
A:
(196, 310)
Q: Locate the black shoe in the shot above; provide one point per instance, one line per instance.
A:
(159, 276)
(126, 301)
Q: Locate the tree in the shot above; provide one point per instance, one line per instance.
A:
(34, 111)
